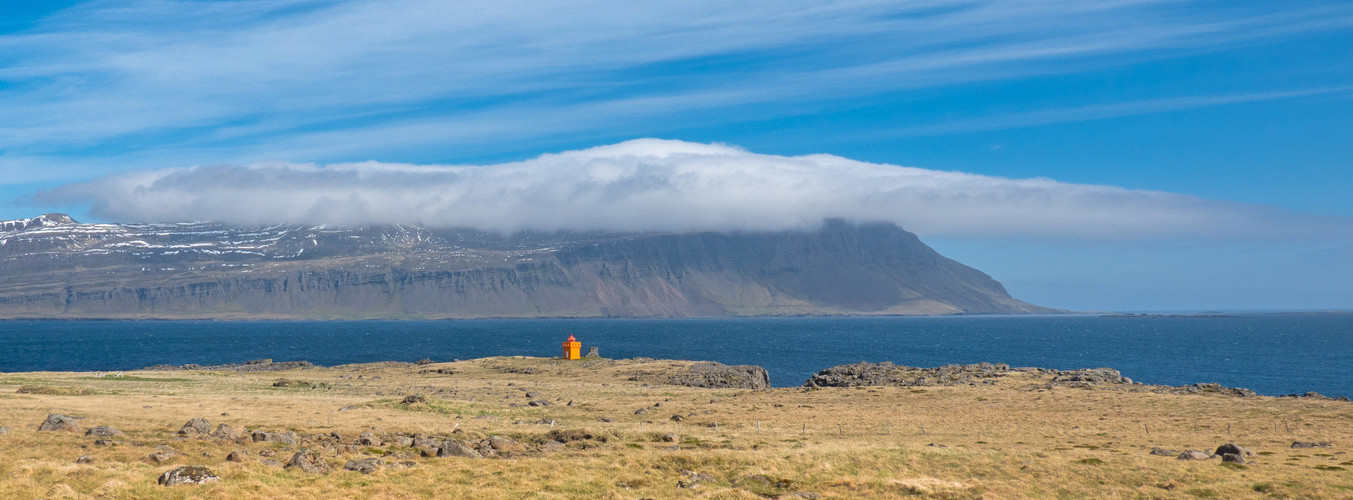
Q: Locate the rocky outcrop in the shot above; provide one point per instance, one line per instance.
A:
(720, 376)
(258, 365)
(889, 374)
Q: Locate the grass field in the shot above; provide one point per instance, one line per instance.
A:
(1017, 438)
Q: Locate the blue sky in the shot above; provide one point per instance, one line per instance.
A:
(1249, 103)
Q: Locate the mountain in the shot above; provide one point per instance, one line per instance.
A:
(54, 267)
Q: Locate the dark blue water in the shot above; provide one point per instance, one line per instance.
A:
(1269, 353)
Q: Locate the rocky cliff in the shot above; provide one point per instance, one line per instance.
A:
(54, 267)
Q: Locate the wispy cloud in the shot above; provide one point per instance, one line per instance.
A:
(258, 79)
(662, 185)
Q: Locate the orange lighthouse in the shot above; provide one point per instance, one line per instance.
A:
(571, 348)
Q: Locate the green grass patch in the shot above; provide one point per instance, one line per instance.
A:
(55, 391)
(1329, 467)
(1090, 461)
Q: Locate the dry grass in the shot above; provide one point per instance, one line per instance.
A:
(1010, 440)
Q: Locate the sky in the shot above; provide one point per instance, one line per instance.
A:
(1151, 155)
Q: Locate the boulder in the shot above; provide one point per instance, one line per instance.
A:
(226, 432)
(84, 459)
(1194, 455)
(1164, 452)
(364, 466)
(188, 474)
(369, 439)
(1234, 449)
(499, 443)
(1232, 458)
(56, 422)
(454, 448)
(238, 456)
(669, 438)
(274, 437)
(414, 398)
(104, 431)
(198, 426)
(308, 461)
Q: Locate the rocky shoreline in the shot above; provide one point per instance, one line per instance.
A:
(709, 374)
(867, 374)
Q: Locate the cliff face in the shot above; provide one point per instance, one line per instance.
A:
(57, 268)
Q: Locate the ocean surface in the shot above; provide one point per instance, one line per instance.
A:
(1273, 354)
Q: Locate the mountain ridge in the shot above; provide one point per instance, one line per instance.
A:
(59, 268)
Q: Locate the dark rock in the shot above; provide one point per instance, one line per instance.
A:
(308, 461)
(414, 398)
(532, 395)
(198, 426)
(188, 474)
(1233, 449)
(104, 442)
(226, 432)
(641, 411)
(608, 420)
(454, 448)
(677, 418)
(669, 438)
(238, 456)
(713, 375)
(104, 431)
(1308, 444)
(364, 466)
(57, 422)
(541, 402)
(889, 374)
(424, 361)
(1194, 455)
(84, 459)
(1164, 452)
(1232, 458)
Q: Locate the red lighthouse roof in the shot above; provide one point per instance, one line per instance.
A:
(571, 339)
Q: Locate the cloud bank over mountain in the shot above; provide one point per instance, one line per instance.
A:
(663, 185)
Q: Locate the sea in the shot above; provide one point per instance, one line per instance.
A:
(1270, 353)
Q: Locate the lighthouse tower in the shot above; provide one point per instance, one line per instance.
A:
(571, 348)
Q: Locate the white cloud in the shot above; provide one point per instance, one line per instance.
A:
(652, 184)
(299, 76)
